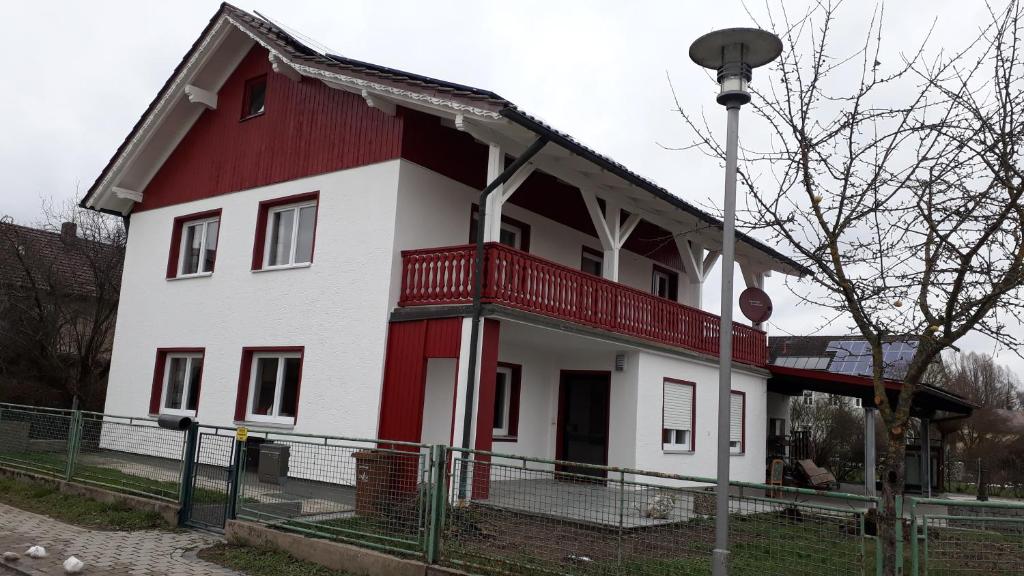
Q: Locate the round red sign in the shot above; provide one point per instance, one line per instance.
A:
(755, 305)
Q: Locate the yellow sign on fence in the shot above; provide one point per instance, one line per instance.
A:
(241, 434)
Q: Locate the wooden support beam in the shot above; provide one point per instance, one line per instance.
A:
(281, 67)
(126, 194)
(379, 102)
(197, 95)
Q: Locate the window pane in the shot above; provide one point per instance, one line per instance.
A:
(210, 255)
(190, 255)
(591, 264)
(509, 237)
(280, 237)
(264, 385)
(196, 369)
(500, 391)
(257, 96)
(175, 382)
(304, 242)
(290, 391)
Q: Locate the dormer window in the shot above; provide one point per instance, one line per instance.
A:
(254, 103)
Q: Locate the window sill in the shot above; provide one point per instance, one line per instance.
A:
(283, 267)
(671, 451)
(505, 439)
(185, 413)
(251, 116)
(258, 424)
(737, 454)
(191, 276)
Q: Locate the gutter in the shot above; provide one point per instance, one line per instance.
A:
(478, 275)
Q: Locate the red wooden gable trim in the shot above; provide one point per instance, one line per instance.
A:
(260, 238)
(308, 128)
(175, 250)
(157, 389)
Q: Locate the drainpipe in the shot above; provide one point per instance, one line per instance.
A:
(478, 275)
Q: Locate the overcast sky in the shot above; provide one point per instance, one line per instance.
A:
(79, 74)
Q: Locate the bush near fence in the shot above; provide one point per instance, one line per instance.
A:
(497, 514)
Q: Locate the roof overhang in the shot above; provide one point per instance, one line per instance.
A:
(928, 400)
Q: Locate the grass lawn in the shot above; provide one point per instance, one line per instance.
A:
(263, 561)
(45, 499)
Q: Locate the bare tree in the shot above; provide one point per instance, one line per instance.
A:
(59, 288)
(897, 178)
(835, 433)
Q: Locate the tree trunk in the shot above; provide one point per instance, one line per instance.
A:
(892, 485)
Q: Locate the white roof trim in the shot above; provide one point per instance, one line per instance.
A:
(358, 85)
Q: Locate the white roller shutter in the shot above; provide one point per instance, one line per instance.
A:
(678, 413)
(736, 421)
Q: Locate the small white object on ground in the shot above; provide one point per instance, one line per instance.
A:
(36, 552)
(10, 556)
(73, 565)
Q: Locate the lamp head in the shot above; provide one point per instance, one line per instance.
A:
(734, 53)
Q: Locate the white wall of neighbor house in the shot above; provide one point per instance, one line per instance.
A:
(337, 308)
(434, 211)
(778, 407)
(702, 461)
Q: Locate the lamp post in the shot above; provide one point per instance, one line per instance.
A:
(734, 53)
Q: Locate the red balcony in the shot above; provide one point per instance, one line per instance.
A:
(438, 276)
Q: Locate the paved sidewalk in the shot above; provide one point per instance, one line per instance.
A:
(139, 553)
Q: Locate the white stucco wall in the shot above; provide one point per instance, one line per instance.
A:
(653, 369)
(434, 211)
(337, 308)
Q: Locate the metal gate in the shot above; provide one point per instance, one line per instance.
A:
(210, 480)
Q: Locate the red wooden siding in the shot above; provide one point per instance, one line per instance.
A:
(409, 346)
(436, 276)
(307, 129)
(485, 407)
(444, 150)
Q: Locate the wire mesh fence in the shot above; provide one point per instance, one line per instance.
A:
(961, 538)
(36, 439)
(514, 515)
(359, 491)
(131, 455)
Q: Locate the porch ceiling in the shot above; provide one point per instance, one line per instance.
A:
(560, 342)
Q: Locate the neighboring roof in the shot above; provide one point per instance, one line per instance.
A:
(50, 258)
(840, 354)
(787, 380)
(455, 95)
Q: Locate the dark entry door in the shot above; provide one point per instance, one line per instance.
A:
(583, 420)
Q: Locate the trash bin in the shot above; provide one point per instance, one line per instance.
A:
(374, 479)
(273, 466)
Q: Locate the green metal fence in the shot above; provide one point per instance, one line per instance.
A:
(121, 453)
(966, 537)
(518, 515)
(368, 492)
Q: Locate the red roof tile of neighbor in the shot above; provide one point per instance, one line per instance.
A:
(50, 256)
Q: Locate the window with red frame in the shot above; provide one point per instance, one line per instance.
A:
(194, 239)
(678, 415)
(286, 232)
(507, 388)
(268, 387)
(737, 422)
(177, 379)
(255, 98)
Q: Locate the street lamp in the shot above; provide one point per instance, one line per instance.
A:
(734, 53)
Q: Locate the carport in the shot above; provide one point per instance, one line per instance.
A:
(930, 405)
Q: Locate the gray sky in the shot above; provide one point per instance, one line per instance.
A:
(79, 74)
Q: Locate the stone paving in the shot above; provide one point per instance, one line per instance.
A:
(137, 553)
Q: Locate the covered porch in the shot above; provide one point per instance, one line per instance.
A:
(931, 406)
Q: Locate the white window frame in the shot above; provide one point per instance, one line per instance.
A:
(273, 417)
(675, 446)
(186, 390)
(740, 449)
(655, 276)
(269, 235)
(204, 222)
(808, 398)
(507, 401)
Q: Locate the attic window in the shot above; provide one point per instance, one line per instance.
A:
(255, 97)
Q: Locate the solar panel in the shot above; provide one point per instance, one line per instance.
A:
(853, 357)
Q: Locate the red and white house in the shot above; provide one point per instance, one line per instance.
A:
(300, 256)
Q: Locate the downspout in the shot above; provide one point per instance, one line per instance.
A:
(478, 274)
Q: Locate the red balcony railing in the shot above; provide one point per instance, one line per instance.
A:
(519, 280)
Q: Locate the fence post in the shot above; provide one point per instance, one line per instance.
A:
(914, 563)
(438, 499)
(899, 534)
(234, 472)
(188, 466)
(622, 516)
(74, 439)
